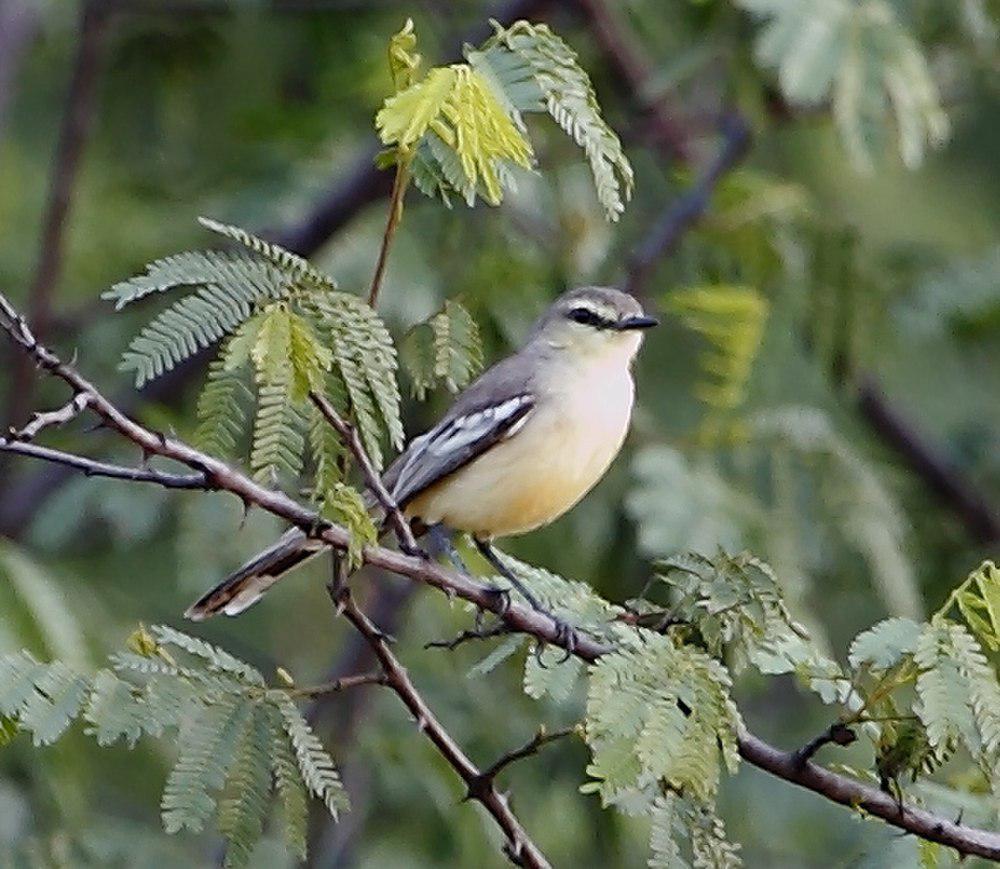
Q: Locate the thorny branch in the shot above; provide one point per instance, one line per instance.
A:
(217, 475)
(520, 849)
(542, 738)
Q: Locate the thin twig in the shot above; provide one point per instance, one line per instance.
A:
(43, 419)
(335, 686)
(518, 618)
(95, 468)
(542, 738)
(520, 848)
(349, 434)
(837, 733)
(468, 636)
(399, 185)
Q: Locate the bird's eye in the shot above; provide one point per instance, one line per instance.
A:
(585, 316)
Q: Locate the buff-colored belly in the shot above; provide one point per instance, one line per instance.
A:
(539, 473)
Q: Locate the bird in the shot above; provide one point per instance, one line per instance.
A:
(518, 448)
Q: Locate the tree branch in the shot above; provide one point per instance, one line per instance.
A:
(40, 420)
(335, 686)
(75, 129)
(518, 618)
(521, 850)
(537, 743)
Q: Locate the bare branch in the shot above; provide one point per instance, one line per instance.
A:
(77, 121)
(837, 733)
(521, 850)
(537, 743)
(39, 420)
(335, 686)
(497, 630)
(517, 618)
(95, 468)
(351, 439)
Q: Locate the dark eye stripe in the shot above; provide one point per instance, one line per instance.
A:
(588, 317)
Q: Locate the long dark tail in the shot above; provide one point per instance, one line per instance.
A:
(245, 587)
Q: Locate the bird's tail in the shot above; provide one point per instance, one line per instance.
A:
(246, 586)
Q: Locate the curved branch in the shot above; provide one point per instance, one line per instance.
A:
(218, 475)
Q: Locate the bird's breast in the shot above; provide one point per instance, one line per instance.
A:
(564, 447)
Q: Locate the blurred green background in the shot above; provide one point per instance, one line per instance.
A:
(883, 297)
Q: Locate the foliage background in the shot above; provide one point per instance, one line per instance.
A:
(248, 112)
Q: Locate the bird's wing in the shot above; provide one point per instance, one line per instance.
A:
(489, 410)
(455, 442)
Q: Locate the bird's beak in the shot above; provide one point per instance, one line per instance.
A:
(629, 323)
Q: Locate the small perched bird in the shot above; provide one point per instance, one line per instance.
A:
(518, 448)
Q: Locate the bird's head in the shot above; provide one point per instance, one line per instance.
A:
(592, 322)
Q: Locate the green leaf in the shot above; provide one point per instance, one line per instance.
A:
(980, 604)
(884, 645)
(221, 417)
(292, 795)
(57, 699)
(316, 766)
(446, 349)
(208, 745)
(403, 58)
(217, 660)
(243, 810)
(570, 99)
(344, 505)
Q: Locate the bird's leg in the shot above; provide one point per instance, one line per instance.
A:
(565, 632)
(440, 543)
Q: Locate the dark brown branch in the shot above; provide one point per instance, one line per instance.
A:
(349, 435)
(218, 475)
(95, 468)
(77, 121)
(978, 516)
(682, 214)
(521, 850)
(837, 733)
(399, 184)
(497, 630)
(343, 683)
(488, 776)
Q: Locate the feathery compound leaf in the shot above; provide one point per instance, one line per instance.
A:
(979, 602)
(317, 767)
(221, 417)
(216, 659)
(571, 101)
(731, 318)
(191, 324)
(886, 644)
(446, 349)
(403, 58)
(984, 695)
(243, 809)
(344, 505)
(459, 105)
(290, 264)
(114, 711)
(235, 270)
(859, 54)
(291, 793)
(944, 692)
(207, 746)
(668, 707)
(365, 357)
(57, 699)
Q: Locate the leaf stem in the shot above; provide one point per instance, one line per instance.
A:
(399, 185)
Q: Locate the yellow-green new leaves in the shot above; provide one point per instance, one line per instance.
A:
(457, 105)
(344, 505)
(459, 129)
(732, 319)
(403, 59)
(978, 599)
